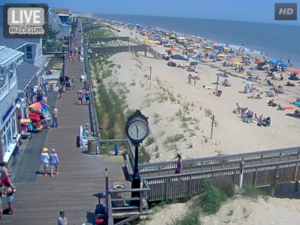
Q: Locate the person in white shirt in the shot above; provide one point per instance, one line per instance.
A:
(44, 159)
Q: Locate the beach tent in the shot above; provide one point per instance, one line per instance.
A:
(179, 57)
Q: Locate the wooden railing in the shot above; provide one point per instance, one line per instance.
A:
(219, 162)
(150, 50)
(92, 106)
(188, 185)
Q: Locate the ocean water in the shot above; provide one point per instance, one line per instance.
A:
(278, 41)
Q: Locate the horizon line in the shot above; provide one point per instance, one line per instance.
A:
(278, 23)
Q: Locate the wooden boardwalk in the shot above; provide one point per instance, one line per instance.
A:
(80, 175)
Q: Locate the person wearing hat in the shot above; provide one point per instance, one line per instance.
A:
(62, 220)
(54, 162)
(80, 96)
(44, 159)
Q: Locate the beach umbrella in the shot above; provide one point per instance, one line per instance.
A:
(220, 55)
(145, 37)
(193, 63)
(150, 41)
(236, 63)
(253, 68)
(231, 51)
(279, 62)
(196, 44)
(172, 49)
(191, 47)
(213, 55)
(282, 65)
(157, 42)
(258, 62)
(296, 71)
(218, 47)
(36, 105)
(208, 47)
(45, 105)
(225, 48)
(228, 59)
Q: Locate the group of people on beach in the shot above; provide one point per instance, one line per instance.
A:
(249, 116)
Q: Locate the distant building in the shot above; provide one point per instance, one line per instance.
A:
(63, 14)
(57, 25)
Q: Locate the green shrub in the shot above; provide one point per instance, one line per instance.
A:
(189, 218)
(225, 186)
(252, 192)
(212, 199)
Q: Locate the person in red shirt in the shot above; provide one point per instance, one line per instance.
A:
(5, 176)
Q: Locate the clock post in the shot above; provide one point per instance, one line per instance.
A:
(137, 129)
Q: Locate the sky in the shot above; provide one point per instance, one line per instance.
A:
(239, 10)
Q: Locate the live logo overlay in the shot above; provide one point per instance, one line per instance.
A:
(25, 20)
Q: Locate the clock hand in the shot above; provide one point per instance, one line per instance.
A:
(137, 132)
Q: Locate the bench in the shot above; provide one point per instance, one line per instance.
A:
(82, 142)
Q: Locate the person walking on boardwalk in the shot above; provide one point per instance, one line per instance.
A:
(60, 91)
(5, 177)
(80, 96)
(54, 117)
(62, 220)
(87, 96)
(44, 159)
(73, 82)
(54, 162)
(9, 198)
(179, 164)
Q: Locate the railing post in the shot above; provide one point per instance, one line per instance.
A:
(241, 176)
(166, 188)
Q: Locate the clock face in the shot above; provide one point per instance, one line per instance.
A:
(137, 130)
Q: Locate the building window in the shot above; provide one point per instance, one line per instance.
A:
(11, 71)
(28, 52)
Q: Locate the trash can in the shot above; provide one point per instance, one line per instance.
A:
(92, 146)
(118, 186)
(219, 93)
(85, 84)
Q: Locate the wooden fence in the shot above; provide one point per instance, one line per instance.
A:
(188, 185)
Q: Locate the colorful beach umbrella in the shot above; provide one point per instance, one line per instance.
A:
(218, 47)
(145, 37)
(296, 71)
(213, 55)
(236, 63)
(231, 51)
(36, 105)
(253, 68)
(208, 47)
(226, 48)
(172, 49)
(220, 55)
(258, 62)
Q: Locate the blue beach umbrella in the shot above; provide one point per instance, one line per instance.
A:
(283, 65)
(274, 70)
(273, 61)
(253, 68)
(208, 45)
(213, 55)
(231, 51)
(218, 47)
(279, 62)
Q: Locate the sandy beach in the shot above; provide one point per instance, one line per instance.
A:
(180, 116)
(175, 107)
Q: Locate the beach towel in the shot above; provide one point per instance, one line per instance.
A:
(208, 87)
(288, 107)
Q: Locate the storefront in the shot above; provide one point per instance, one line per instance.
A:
(10, 136)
